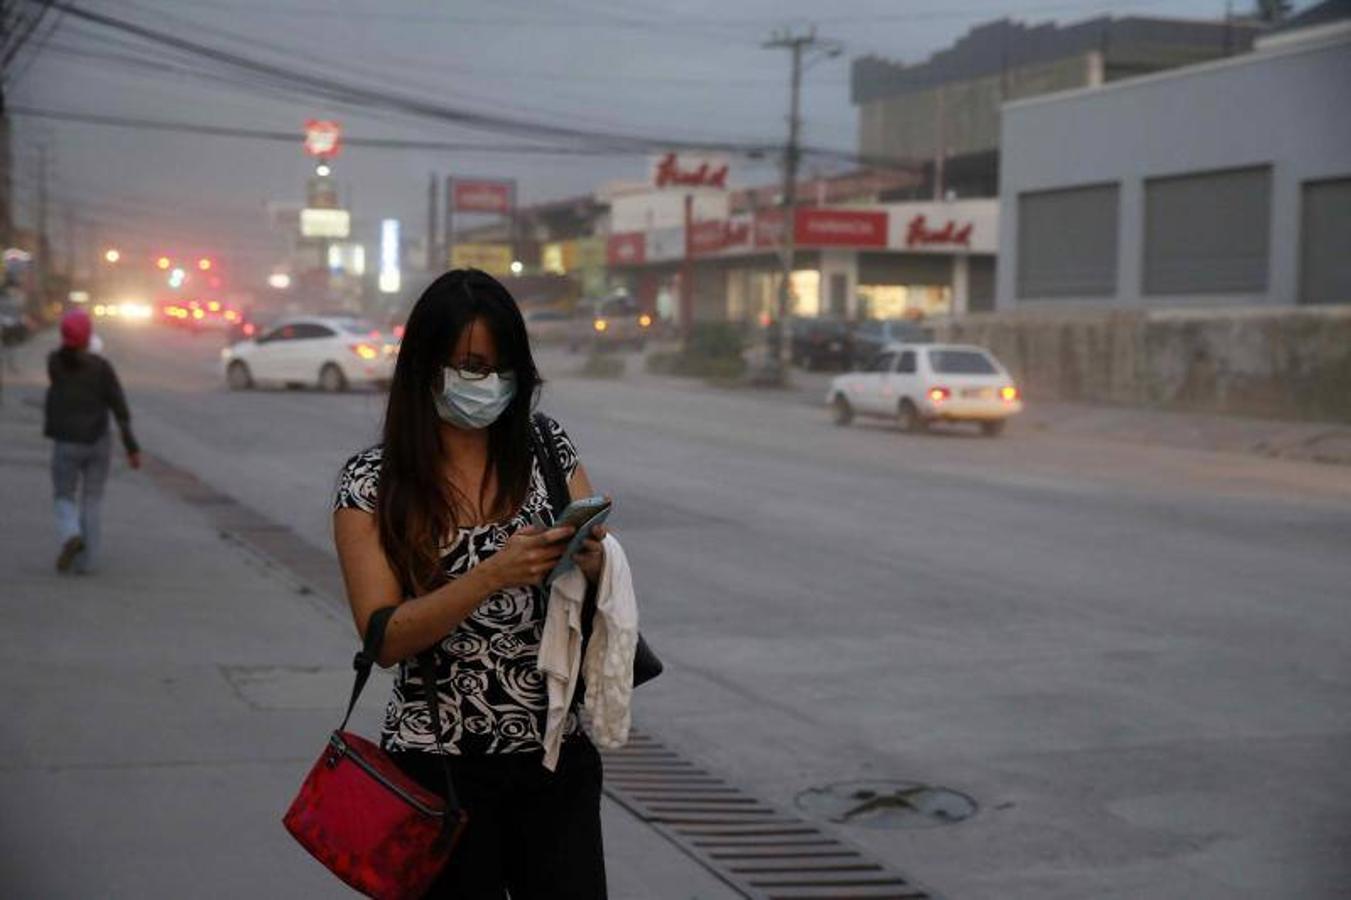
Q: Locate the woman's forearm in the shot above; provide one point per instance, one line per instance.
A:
(422, 621)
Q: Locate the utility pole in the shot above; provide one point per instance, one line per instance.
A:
(434, 263)
(44, 244)
(799, 46)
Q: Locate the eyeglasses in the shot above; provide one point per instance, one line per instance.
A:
(475, 370)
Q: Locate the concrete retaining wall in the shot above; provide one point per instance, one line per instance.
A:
(1292, 364)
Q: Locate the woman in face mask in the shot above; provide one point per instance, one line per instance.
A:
(437, 518)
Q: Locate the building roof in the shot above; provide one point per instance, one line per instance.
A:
(992, 47)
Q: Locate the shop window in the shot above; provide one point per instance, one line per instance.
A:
(1208, 233)
(805, 299)
(902, 301)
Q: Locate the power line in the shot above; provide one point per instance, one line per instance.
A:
(293, 138)
(336, 89)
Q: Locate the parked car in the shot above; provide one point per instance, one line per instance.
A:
(820, 343)
(548, 326)
(920, 384)
(613, 322)
(332, 353)
(871, 336)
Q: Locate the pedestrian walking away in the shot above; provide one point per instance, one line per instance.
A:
(449, 518)
(82, 392)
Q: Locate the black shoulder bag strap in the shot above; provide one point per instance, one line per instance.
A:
(646, 664)
(363, 663)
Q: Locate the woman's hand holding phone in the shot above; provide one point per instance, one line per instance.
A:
(591, 558)
(528, 556)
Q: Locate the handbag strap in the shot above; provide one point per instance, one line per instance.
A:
(556, 486)
(365, 660)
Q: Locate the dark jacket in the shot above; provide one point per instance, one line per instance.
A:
(84, 389)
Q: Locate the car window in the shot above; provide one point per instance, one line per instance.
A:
(357, 326)
(280, 333)
(907, 364)
(883, 363)
(310, 330)
(961, 362)
(544, 315)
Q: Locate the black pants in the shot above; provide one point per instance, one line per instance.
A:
(532, 834)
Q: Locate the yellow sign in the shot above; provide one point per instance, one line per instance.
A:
(495, 259)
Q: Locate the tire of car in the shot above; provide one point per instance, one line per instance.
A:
(993, 428)
(238, 377)
(908, 418)
(842, 411)
(331, 379)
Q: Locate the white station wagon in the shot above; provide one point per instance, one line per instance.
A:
(916, 384)
(332, 353)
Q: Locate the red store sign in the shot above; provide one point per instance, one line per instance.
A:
(483, 196)
(919, 234)
(627, 249)
(323, 138)
(705, 174)
(718, 235)
(819, 227)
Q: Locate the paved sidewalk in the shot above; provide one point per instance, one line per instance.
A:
(1325, 442)
(162, 712)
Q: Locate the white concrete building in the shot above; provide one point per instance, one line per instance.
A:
(1225, 183)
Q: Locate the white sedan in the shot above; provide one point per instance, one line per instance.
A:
(916, 384)
(331, 353)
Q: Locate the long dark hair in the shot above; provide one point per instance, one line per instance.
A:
(416, 507)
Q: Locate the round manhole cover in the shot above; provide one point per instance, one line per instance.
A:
(886, 804)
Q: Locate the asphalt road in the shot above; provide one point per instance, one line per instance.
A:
(1137, 660)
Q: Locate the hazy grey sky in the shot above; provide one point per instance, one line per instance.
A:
(695, 72)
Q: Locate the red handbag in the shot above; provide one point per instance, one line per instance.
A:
(362, 817)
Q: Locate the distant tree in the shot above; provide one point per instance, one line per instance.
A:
(1273, 10)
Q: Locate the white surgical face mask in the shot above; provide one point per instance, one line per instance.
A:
(473, 402)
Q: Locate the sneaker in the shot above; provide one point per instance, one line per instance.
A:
(72, 548)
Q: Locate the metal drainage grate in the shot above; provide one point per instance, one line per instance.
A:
(760, 851)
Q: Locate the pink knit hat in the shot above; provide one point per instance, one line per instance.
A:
(76, 329)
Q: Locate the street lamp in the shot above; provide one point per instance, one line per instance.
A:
(323, 170)
(111, 255)
(517, 267)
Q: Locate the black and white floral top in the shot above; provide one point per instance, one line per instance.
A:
(492, 696)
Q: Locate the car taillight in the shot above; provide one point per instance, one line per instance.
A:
(249, 329)
(365, 351)
(1008, 394)
(398, 332)
(939, 394)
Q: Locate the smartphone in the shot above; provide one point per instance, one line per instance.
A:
(583, 515)
(579, 512)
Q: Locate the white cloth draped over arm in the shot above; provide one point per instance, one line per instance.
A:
(608, 666)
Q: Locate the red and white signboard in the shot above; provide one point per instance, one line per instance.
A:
(627, 249)
(768, 228)
(719, 236)
(919, 232)
(946, 226)
(323, 138)
(479, 196)
(684, 171)
(823, 227)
